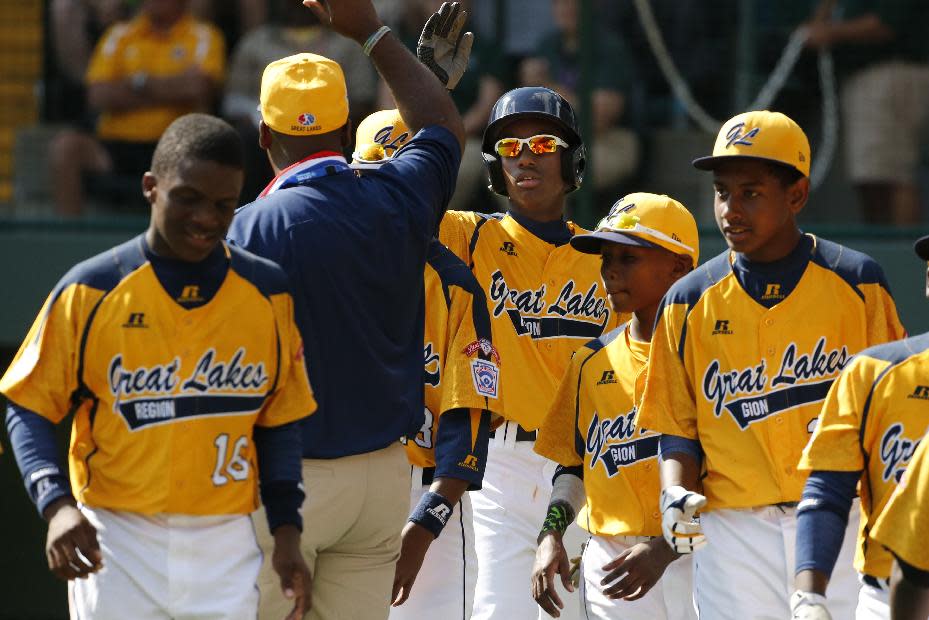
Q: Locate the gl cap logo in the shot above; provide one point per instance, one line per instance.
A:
(619, 218)
(382, 137)
(306, 119)
(735, 135)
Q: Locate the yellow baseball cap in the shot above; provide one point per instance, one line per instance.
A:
(645, 220)
(380, 135)
(304, 95)
(769, 136)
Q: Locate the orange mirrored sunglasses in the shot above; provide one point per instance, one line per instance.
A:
(540, 145)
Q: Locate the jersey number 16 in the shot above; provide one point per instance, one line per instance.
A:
(237, 467)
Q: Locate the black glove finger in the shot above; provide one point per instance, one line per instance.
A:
(429, 28)
(447, 16)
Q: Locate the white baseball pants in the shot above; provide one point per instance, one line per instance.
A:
(508, 514)
(746, 569)
(169, 567)
(874, 601)
(445, 585)
(670, 599)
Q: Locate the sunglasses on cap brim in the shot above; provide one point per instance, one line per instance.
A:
(540, 145)
(374, 153)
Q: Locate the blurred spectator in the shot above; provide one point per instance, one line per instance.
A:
(516, 26)
(75, 26)
(556, 64)
(881, 51)
(143, 74)
(292, 30)
(234, 18)
(800, 98)
(490, 73)
(699, 40)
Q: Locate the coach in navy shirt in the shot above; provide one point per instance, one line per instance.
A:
(355, 250)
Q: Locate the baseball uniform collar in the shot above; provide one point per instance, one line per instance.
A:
(556, 232)
(321, 164)
(796, 259)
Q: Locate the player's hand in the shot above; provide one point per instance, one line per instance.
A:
(637, 569)
(414, 543)
(443, 47)
(808, 606)
(355, 19)
(71, 547)
(680, 529)
(287, 561)
(550, 558)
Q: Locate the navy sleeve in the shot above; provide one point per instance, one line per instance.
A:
(279, 450)
(822, 517)
(36, 451)
(453, 446)
(427, 167)
(668, 444)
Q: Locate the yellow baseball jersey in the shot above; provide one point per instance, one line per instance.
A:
(592, 423)
(134, 47)
(743, 356)
(461, 369)
(165, 392)
(901, 525)
(872, 421)
(545, 301)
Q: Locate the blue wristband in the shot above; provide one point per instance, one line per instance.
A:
(432, 512)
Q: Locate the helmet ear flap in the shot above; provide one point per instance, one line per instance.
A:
(573, 165)
(495, 174)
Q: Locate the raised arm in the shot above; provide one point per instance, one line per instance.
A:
(421, 98)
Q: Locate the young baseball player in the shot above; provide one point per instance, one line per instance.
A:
(608, 471)
(461, 376)
(901, 528)
(545, 300)
(179, 358)
(871, 423)
(355, 250)
(901, 525)
(744, 351)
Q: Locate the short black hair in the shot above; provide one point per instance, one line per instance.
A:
(198, 136)
(785, 175)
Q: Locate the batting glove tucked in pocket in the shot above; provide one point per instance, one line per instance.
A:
(680, 529)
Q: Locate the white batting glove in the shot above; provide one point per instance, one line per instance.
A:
(808, 606)
(683, 533)
(442, 46)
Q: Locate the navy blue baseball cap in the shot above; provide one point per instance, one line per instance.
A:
(922, 247)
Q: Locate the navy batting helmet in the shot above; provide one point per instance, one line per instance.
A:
(541, 103)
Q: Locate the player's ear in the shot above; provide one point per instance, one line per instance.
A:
(149, 187)
(346, 134)
(264, 136)
(797, 195)
(683, 265)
